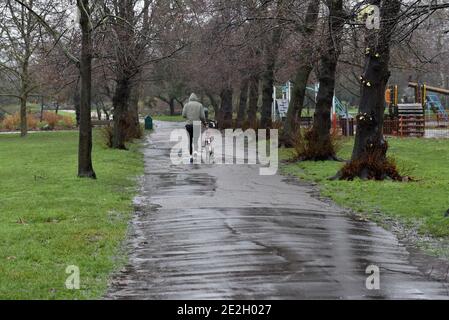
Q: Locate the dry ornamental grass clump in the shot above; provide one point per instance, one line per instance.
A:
(12, 122)
(308, 147)
(373, 165)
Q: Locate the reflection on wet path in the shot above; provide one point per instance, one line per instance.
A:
(227, 233)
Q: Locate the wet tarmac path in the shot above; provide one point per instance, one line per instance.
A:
(225, 232)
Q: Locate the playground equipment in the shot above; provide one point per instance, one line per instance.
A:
(409, 119)
(406, 119)
(338, 107)
(430, 100)
(280, 106)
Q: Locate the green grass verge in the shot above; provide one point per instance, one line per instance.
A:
(419, 204)
(169, 118)
(50, 219)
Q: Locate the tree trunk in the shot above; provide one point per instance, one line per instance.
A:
(135, 129)
(172, 106)
(99, 115)
(121, 116)
(127, 73)
(297, 102)
(320, 136)
(374, 81)
(85, 167)
(241, 116)
(41, 118)
(267, 96)
(181, 104)
(106, 113)
(77, 102)
(253, 101)
(271, 50)
(24, 99)
(226, 109)
(23, 116)
(302, 75)
(369, 160)
(214, 104)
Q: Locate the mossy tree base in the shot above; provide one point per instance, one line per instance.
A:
(373, 164)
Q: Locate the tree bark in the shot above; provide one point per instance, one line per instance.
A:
(296, 104)
(172, 106)
(226, 109)
(268, 91)
(323, 148)
(271, 50)
(85, 167)
(127, 72)
(77, 102)
(41, 117)
(121, 116)
(369, 158)
(135, 132)
(241, 116)
(214, 104)
(24, 94)
(23, 116)
(253, 101)
(375, 79)
(304, 70)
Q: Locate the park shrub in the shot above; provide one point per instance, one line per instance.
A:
(68, 121)
(107, 134)
(65, 122)
(43, 125)
(32, 122)
(51, 119)
(12, 122)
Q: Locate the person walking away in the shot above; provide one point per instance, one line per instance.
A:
(193, 112)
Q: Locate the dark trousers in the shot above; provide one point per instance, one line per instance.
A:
(189, 129)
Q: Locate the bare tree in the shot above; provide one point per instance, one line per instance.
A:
(85, 167)
(272, 45)
(305, 67)
(369, 159)
(320, 145)
(20, 35)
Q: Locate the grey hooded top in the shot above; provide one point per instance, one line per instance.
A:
(194, 110)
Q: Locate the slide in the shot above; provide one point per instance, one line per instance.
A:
(340, 109)
(434, 104)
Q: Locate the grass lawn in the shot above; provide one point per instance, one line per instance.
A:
(169, 118)
(50, 219)
(419, 204)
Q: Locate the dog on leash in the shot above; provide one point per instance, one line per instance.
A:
(208, 142)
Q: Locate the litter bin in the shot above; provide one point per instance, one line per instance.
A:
(148, 123)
